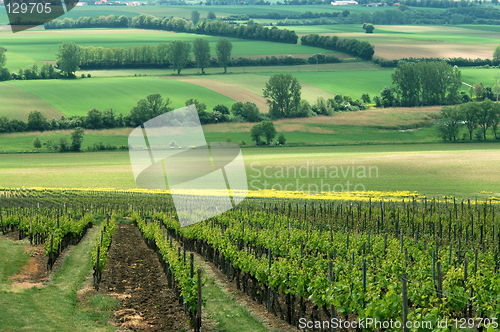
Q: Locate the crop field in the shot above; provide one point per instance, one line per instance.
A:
(396, 42)
(430, 169)
(120, 94)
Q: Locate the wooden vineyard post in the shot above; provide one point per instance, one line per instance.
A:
(198, 310)
(404, 282)
(439, 282)
(331, 278)
(269, 283)
(97, 268)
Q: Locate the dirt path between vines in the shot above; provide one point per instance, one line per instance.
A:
(258, 311)
(134, 275)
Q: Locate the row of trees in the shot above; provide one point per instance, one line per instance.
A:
(63, 145)
(459, 62)
(206, 27)
(146, 109)
(176, 54)
(472, 14)
(355, 47)
(472, 116)
(427, 83)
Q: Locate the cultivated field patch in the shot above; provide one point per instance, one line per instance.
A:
(17, 104)
(77, 97)
(234, 92)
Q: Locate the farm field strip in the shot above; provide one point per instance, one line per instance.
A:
(463, 169)
(330, 67)
(71, 97)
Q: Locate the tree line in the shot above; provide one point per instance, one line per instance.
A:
(146, 109)
(355, 47)
(148, 56)
(475, 117)
(206, 27)
(471, 14)
(459, 62)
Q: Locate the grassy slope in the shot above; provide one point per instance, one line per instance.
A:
(42, 45)
(55, 307)
(77, 97)
(434, 169)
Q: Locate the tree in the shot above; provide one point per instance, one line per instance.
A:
(211, 16)
(281, 139)
(479, 91)
(387, 96)
(178, 54)
(3, 58)
(69, 58)
(365, 98)
(201, 50)
(223, 49)
(37, 143)
(37, 121)
(495, 119)
(283, 96)
(195, 16)
(407, 81)
(268, 130)
(147, 109)
(221, 109)
(469, 113)
(496, 53)
(368, 27)
(76, 139)
(256, 132)
(204, 116)
(93, 120)
(63, 145)
(485, 116)
(451, 120)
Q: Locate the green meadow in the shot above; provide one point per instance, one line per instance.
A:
(431, 169)
(77, 97)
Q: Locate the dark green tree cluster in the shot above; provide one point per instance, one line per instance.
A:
(111, 21)
(33, 72)
(424, 84)
(266, 129)
(474, 116)
(459, 62)
(283, 96)
(355, 47)
(4, 72)
(206, 27)
(469, 14)
(246, 112)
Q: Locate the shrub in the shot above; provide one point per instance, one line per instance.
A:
(281, 139)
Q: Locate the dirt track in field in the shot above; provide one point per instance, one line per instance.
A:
(134, 275)
(228, 90)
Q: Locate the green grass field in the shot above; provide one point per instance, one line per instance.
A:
(28, 47)
(464, 170)
(77, 97)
